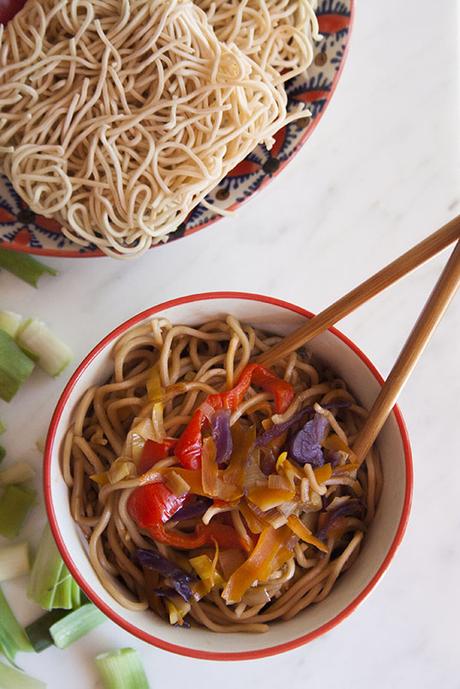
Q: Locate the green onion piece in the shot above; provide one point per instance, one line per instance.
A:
(50, 583)
(15, 504)
(12, 636)
(10, 322)
(51, 353)
(19, 472)
(2, 428)
(14, 561)
(38, 632)
(121, 669)
(75, 625)
(15, 367)
(76, 595)
(2, 453)
(24, 266)
(10, 678)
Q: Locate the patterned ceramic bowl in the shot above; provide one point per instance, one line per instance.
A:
(382, 539)
(22, 230)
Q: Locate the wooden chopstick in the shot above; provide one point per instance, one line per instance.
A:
(429, 318)
(403, 265)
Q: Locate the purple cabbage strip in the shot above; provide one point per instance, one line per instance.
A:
(351, 508)
(279, 428)
(192, 510)
(180, 580)
(306, 444)
(220, 428)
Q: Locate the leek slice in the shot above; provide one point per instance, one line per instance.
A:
(76, 624)
(10, 678)
(51, 354)
(19, 472)
(39, 631)
(14, 561)
(50, 583)
(121, 669)
(15, 504)
(15, 367)
(12, 636)
(24, 266)
(10, 322)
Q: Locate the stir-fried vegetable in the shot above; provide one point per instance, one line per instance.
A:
(306, 444)
(14, 561)
(153, 504)
(24, 266)
(305, 534)
(11, 678)
(153, 452)
(15, 367)
(51, 354)
(220, 428)
(12, 636)
(121, 669)
(15, 505)
(259, 564)
(180, 580)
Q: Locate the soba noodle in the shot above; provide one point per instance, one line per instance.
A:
(117, 117)
(274, 33)
(162, 374)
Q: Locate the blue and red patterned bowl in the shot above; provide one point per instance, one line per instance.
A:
(22, 230)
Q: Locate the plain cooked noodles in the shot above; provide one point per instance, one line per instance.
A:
(117, 117)
(274, 33)
(100, 464)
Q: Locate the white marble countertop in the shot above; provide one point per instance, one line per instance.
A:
(380, 172)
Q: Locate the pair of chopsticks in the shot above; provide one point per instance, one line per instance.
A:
(427, 322)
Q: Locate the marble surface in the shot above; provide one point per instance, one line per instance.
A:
(380, 172)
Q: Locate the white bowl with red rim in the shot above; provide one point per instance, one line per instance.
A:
(382, 539)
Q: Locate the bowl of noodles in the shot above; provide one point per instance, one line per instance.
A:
(116, 138)
(213, 507)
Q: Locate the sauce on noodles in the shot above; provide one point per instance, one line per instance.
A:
(212, 490)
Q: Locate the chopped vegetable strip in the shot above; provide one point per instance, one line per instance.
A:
(10, 678)
(15, 504)
(75, 625)
(19, 472)
(50, 584)
(10, 322)
(24, 266)
(15, 367)
(14, 561)
(305, 534)
(121, 669)
(12, 636)
(51, 353)
(38, 631)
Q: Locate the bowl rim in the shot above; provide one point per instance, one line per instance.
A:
(308, 131)
(67, 557)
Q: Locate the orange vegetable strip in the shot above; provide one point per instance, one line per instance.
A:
(265, 498)
(305, 534)
(323, 473)
(209, 469)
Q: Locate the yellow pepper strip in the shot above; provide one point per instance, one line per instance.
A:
(101, 479)
(280, 461)
(209, 469)
(333, 442)
(265, 498)
(191, 476)
(243, 441)
(155, 390)
(259, 564)
(283, 555)
(305, 534)
(323, 473)
(255, 524)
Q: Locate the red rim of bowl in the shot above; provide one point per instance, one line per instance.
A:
(306, 135)
(148, 638)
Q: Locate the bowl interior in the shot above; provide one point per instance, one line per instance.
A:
(384, 533)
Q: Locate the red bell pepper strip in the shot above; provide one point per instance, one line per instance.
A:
(225, 536)
(153, 504)
(282, 391)
(190, 444)
(153, 452)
